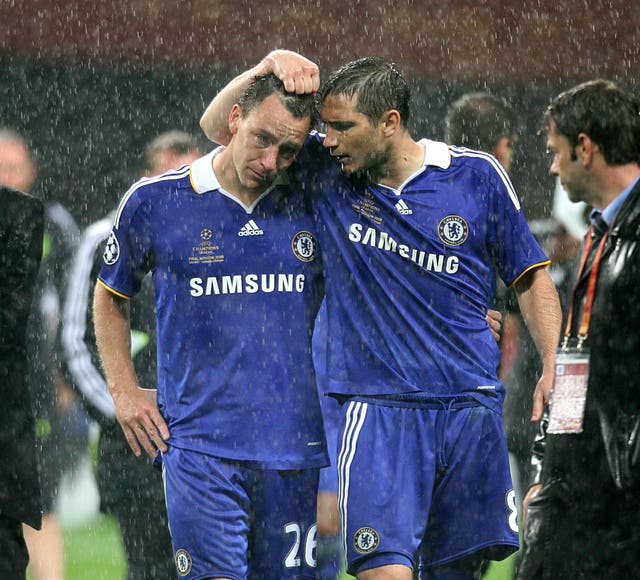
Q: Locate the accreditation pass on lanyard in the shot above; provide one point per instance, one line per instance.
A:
(569, 393)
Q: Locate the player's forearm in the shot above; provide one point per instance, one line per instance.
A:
(214, 121)
(540, 307)
(113, 337)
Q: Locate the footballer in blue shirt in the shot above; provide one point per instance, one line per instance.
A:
(413, 234)
(231, 245)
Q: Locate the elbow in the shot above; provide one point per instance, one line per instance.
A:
(215, 132)
(206, 129)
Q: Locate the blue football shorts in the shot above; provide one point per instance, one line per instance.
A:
(427, 481)
(234, 521)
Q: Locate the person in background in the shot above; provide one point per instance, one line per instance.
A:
(21, 233)
(61, 426)
(488, 123)
(583, 508)
(484, 122)
(130, 487)
(170, 150)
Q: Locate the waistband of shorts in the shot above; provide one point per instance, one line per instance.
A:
(419, 401)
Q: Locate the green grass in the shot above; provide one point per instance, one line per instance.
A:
(501, 570)
(94, 551)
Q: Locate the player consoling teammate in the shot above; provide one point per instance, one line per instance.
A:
(412, 235)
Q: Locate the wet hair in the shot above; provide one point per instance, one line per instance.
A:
(604, 112)
(377, 83)
(259, 88)
(479, 120)
(179, 142)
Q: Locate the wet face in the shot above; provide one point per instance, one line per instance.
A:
(356, 143)
(264, 142)
(17, 170)
(571, 172)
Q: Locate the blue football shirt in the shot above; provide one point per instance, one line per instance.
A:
(237, 289)
(410, 273)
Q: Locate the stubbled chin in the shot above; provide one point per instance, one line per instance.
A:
(347, 166)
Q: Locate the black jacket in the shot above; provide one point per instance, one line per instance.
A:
(606, 454)
(21, 231)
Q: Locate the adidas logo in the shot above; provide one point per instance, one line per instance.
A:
(403, 208)
(251, 228)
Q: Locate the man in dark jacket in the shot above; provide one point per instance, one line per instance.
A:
(21, 231)
(61, 425)
(584, 510)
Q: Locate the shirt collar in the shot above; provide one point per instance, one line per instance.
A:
(609, 212)
(436, 153)
(202, 176)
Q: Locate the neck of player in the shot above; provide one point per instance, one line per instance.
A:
(406, 157)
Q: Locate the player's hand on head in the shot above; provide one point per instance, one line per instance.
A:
(141, 421)
(297, 73)
(494, 320)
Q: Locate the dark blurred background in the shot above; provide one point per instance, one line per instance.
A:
(90, 83)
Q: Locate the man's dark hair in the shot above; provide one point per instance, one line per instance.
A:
(605, 113)
(479, 120)
(377, 83)
(259, 88)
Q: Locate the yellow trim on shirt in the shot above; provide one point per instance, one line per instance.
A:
(114, 291)
(533, 267)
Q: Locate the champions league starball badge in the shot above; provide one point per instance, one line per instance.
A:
(111, 250)
(366, 540)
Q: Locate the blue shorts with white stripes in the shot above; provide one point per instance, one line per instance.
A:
(230, 520)
(428, 480)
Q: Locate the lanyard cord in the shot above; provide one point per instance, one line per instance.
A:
(591, 289)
